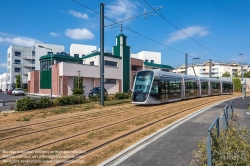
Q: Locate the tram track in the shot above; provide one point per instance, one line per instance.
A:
(54, 120)
(113, 124)
(76, 122)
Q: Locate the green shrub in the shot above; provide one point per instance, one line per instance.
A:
(237, 84)
(69, 100)
(25, 103)
(120, 96)
(97, 97)
(231, 148)
(44, 102)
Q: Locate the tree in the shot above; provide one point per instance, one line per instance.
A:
(18, 81)
(226, 74)
(246, 74)
(78, 84)
(237, 84)
(236, 75)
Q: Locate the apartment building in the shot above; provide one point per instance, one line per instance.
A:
(218, 68)
(21, 60)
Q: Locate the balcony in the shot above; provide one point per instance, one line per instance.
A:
(16, 63)
(28, 57)
(28, 65)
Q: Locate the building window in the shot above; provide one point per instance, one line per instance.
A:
(8, 55)
(17, 61)
(83, 55)
(8, 70)
(33, 62)
(76, 55)
(8, 62)
(110, 81)
(44, 65)
(33, 68)
(33, 53)
(17, 69)
(91, 63)
(110, 63)
(134, 68)
(152, 61)
(165, 70)
(146, 60)
(17, 53)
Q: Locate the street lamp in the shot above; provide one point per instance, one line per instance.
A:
(50, 67)
(242, 84)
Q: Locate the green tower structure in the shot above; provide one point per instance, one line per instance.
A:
(122, 50)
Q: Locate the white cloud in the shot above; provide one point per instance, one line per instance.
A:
(121, 9)
(190, 31)
(79, 34)
(79, 14)
(54, 34)
(3, 64)
(21, 41)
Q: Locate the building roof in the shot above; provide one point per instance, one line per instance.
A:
(60, 57)
(158, 65)
(95, 53)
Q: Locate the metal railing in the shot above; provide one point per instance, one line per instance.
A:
(227, 115)
(209, 139)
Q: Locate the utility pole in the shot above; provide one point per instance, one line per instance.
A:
(186, 63)
(210, 68)
(242, 82)
(102, 53)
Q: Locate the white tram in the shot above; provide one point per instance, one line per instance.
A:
(156, 86)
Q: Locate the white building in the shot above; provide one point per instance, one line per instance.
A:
(148, 56)
(21, 60)
(218, 68)
(79, 50)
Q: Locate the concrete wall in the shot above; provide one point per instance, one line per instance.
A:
(96, 60)
(81, 49)
(89, 84)
(34, 82)
(88, 71)
(156, 56)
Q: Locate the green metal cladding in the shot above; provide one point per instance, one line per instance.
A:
(45, 79)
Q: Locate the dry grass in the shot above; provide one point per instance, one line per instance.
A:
(94, 138)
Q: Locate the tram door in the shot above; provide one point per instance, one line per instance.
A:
(155, 90)
(164, 89)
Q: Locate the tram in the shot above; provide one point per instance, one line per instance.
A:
(153, 86)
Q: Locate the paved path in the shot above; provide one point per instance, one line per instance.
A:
(175, 147)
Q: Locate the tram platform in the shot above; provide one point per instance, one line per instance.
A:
(174, 146)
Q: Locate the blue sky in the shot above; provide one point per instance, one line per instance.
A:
(219, 30)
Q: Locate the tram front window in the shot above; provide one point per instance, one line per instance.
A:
(143, 81)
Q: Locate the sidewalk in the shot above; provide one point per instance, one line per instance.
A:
(175, 146)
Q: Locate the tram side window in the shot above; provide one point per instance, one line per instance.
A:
(174, 85)
(164, 85)
(215, 85)
(227, 86)
(204, 85)
(155, 88)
